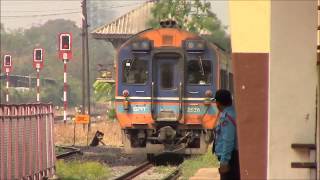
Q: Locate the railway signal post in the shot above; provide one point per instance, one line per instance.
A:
(65, 53)
(38, 58)
(7, 67)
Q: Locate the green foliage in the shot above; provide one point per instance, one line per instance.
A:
(26, 96)
(190, 166)
(104, 91)
(112, 114)
(191, 15)
(76, 170)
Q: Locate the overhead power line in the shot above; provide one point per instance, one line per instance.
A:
(61, 13)
(27, 11)
(42, 15)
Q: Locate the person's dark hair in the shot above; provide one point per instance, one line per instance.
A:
(223, 96)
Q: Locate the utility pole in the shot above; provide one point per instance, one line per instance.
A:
(85, 29)
(83, 110)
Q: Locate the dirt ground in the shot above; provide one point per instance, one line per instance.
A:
(206, 174)
(64, 133)
(112, 154)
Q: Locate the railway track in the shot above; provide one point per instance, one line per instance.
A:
(71, 151)
(136, 171)
(173, 175)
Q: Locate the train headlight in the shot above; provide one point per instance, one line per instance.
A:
(194, 45)
(208, 93)
(190, 45)
(144, 45)
(125, 93)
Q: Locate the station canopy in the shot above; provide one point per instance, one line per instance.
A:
(125, 26)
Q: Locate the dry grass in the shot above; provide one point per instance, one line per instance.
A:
(63, 133)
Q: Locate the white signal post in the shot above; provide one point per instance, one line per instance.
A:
(38, 84)
(38, 54)
(65, 53)
(65, 86)
(7, 87)
(7, 67)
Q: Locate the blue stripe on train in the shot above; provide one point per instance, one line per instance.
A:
(146, 109)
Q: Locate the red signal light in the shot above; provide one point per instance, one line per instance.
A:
(7, 61)
(38, 55)
(65, 46)
(65, 42)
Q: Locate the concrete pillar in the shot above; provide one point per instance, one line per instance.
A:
(250, 39)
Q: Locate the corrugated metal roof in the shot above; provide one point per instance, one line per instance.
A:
(130, 23)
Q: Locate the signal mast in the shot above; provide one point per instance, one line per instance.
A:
(7, 67)
(65, 54)
(38, 58)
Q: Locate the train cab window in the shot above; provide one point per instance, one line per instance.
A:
(199, 72)
(135, 71)
(167, 78)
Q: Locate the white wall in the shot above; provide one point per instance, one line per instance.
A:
(293, 80)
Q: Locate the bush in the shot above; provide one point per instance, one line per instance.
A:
(112, 114)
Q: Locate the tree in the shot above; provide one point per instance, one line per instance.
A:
(104, 91)
(194, 16)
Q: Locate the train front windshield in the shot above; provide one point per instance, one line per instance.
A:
(199, 72)
(135, 71)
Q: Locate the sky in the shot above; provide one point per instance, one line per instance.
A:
(24, 14)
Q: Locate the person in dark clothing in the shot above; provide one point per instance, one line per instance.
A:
(225, 144)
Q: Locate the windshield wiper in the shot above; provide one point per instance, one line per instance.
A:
(131, 64)
(201, 66)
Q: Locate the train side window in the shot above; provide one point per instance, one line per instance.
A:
(223, 79)
(167, 78)
(231, 82)
(199, 72)
(135, 71)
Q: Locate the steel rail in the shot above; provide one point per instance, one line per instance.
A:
(175, 174)
(136, 171)
(69, 153)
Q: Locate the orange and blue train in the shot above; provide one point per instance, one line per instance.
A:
(165, 81)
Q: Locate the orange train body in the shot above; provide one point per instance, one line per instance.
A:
(165, 81)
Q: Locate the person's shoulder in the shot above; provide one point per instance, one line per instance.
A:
(231, 111)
